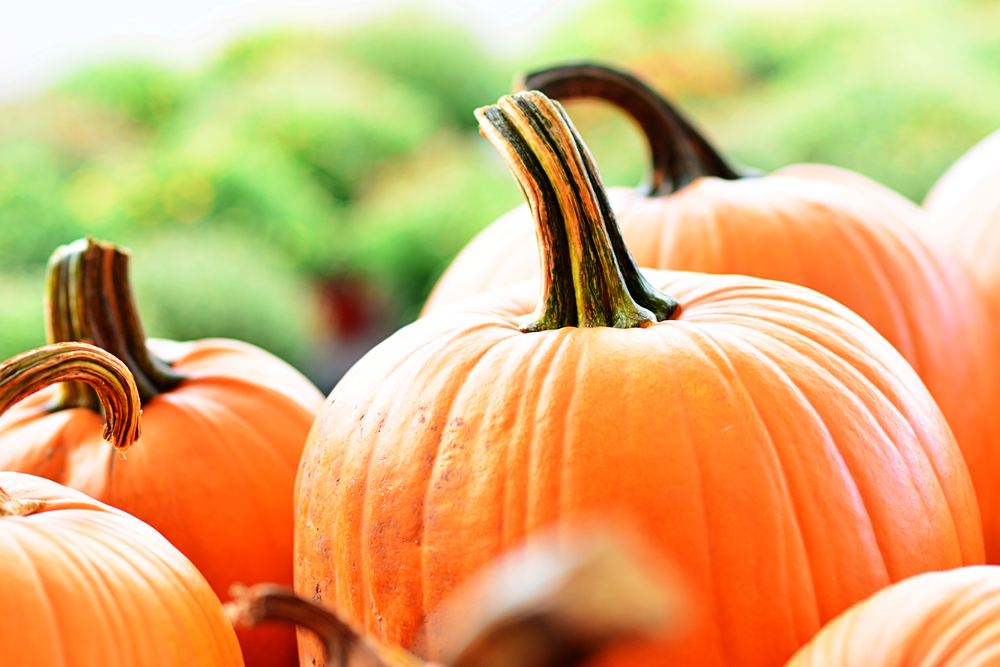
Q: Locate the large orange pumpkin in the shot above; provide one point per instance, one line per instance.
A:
(224, 424)
(938, 619)
(762, 436)
(826, 229)
(85, 584)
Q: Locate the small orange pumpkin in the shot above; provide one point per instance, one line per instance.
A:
(823, 228)
(224, 424)
(83, 583)
(760, 435)
(937, 619)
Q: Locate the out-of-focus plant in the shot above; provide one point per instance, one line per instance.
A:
(419, 212)
(146, 93)
(293, 91)
(434, 57)
(281, 141)
(22, 320)
(216, 282)
(892, 90)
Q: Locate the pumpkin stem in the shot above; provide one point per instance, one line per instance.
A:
(89, 298)
(10, 506)
(111, 380)
(589, 278)
(679, 152)
(271, 602)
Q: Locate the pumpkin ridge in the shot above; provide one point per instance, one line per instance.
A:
(40, 585)
(743, 402)
(435, 472)
(728, 370)
(552, 353)
(84, 575)
(197, 409)
(918, 438)
(206, 389)
(715, 593)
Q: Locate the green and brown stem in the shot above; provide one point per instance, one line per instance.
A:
(679, 152)
(89, 298)
(108, 377)
(589, 278)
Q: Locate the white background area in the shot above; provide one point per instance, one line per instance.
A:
(42, 40)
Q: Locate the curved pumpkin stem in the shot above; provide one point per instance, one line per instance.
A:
(589, 278)
(271, 602)
(89, 298)
(679, 152)
(112, 382)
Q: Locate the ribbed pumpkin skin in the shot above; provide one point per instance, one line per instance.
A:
(842, 239)
(767, 441)
(966, 203)
(213, 471)
(938, 619)
(85, 584)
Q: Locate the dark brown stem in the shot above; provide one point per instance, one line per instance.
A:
(274, 603)
(111, 381)
(89, 298)
(589, 278)
(679, 152)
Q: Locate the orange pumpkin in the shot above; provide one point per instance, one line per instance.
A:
(760, 435)
(966, 204)
(938, 619)
(224, 424)
(823, 228)
(85, 584)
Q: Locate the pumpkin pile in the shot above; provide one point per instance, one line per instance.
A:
(787, 385)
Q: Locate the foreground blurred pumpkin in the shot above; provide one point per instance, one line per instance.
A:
(760, 435)
(823, 228)
(85, 584)
(224, 424)
(938, 619)
(552, 604)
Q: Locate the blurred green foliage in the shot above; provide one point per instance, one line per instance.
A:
(440, 60)
(147, 93)
(896, 90)
(214, 282)
(245, 187)
(22, 322)
(298, 159)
